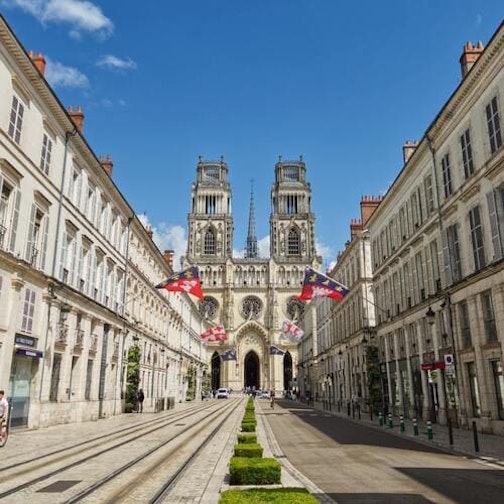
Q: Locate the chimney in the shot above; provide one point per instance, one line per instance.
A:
(77, 117)
(368, 205)
(408, 149)
(355, 228)
(107, 164)
(168, 257)
(39, 61)
(469, 56)
(150, 232)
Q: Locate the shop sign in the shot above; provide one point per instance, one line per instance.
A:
(22, 339)
(28, 352)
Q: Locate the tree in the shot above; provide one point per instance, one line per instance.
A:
(374, 378)
(132, 377)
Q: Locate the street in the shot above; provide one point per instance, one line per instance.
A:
(356, 463)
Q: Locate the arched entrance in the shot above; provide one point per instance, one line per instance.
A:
(251, 371)
(216, 367)
(287, 373)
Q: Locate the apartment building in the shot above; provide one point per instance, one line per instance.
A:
(77, 268)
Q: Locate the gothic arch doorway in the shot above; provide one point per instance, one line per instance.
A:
(251, 370)
(287, 371)
(216, 369)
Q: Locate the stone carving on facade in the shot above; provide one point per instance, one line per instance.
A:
(251, 308)
(208, 307)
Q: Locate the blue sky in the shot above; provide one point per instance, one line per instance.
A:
(163, 82)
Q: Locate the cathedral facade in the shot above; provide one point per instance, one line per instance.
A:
(252, 296)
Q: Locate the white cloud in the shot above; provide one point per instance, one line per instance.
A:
(60, 75)
(81, 15)
(168, 237)
(111, 61)
(263, 246)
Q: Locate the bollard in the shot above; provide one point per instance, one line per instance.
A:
(429, 430)
(390, 422)
(415, 427)
(475, 437)
(380, 419)
(401, 424)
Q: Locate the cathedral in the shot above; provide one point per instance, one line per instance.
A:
(251, 296)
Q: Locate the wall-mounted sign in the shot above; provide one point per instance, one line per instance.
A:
(22, 339)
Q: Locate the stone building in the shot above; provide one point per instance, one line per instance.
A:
(77, 268)
(251, 296)
(437, 242)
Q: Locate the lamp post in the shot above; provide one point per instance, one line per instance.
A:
(431, 319)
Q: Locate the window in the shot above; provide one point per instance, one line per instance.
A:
(477, 238)
(16, 119)
(452, 255)
(473, 384)
(436, 276)
(28, 310)
(291, 173)
(406, 285)
(488, 317)
(91, 204)
(445, 168)
(293, 242)
(495, 201)
(420, 276)
(498, 379)
(10, 200)
(467, 158)
(36, 243)
(209, 244)
(55, 378)
(465, 326)
(291, 202)
(493, 123)
(211, 204)
(45, 157)
(429, 194)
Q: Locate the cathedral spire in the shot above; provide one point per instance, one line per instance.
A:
(251, 251)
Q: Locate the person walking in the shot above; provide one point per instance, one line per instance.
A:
(140, 400)
(4, 413)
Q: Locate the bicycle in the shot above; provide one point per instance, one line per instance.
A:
(4, 433)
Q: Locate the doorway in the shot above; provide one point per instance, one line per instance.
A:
(251, 372)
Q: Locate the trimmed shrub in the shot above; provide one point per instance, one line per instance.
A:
(268, 495)
(248, 426)
(249, 450)
(254, 471)
(247, 438)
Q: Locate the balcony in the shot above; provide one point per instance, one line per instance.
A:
(61, 333)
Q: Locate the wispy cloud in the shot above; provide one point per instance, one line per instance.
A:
(479, 19)
(113, 62)
(168, 237)
(59, 75)
(82, 16)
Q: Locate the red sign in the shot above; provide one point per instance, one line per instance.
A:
(429, 366)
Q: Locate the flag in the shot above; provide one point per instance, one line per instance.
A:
(291, 332)
(184, 281)
(316, 284)
(274, 350)
(228, 355)
(213, 334)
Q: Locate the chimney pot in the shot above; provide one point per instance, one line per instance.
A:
(107, 164)
(77, 117)
(470, 55)
(408, 150)
(39, 61)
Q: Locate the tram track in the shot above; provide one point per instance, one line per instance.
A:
(137, 438)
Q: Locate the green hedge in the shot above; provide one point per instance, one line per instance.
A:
(254, 471)
(250, 450)
(248, 426)
(268, 495)
(247, 438)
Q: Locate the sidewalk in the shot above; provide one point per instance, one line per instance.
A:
(490, 447)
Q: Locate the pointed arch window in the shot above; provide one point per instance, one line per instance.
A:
(209, 248)
(293, 242)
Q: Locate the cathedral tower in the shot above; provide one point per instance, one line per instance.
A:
(210, 231)
(292, 232)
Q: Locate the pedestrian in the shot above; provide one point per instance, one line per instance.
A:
(4, 408)
(140, 400)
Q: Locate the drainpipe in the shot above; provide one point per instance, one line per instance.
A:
(51, 287)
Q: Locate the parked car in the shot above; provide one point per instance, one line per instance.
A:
(222, 393)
